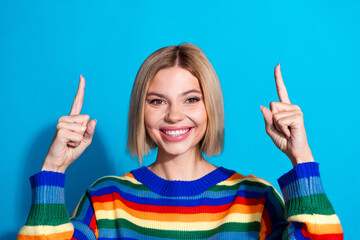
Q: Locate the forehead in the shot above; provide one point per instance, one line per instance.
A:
(174, 80)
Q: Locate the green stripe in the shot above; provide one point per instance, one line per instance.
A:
(215, 188)
(47, 214)
(286, 234)
(235, 187)
(227, 227)
(80, 206)
(218, 188)
(313, 204)
(123, 182)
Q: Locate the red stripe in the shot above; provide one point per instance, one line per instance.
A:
(92, 224)
(174, 209)
(267, 221)
(334, 236)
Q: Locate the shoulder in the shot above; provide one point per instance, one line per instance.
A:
(250, 185)
(237, 178)
(127, 179)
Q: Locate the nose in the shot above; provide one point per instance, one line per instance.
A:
(174, 114)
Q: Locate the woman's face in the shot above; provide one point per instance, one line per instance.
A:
(175, 113)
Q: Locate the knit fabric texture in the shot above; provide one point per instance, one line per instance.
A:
(221, 205)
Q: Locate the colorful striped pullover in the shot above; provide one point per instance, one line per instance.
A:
(221, 205)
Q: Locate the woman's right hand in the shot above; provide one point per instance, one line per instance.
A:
(73, 135)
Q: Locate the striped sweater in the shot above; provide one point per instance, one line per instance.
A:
(221, 205)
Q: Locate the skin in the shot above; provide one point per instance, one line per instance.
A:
(167, 105)
(180, 160)
(284, 124)
(73, 135)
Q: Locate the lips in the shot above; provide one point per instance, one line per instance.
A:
(175, 134)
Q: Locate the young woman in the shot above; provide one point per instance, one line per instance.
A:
(177, 106)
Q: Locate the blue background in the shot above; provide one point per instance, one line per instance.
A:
(45, 45)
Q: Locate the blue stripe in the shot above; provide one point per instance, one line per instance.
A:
(175, 201)
(85, 208)
(149, 194)
(303, 170)
(274, 208)
(47, 194)
(303, 188)
(297, 233)
(47, 178)
(89, 214)
(112, 234)
(291, 231)
(83, 231)
(180, 188)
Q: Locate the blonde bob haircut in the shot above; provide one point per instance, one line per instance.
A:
(189, 57)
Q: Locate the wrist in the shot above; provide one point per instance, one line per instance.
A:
(52, 168)
(304, 158)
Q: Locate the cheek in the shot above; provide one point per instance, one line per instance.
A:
(149, 117)
(200, 118)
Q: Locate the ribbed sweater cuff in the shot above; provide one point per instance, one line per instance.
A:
(47, 187)
(302, 170)
(47, 178)
(303, 191)
(47, 199)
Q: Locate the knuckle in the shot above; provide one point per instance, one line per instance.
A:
(59, 125)
(280, 122)
(62, 119)
(78, 137)
(83, 128)
(61, 131)
(300, 116)
(86, 117)
(276, 116)
(273, 106)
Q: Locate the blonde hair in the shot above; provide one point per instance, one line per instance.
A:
(189, 57)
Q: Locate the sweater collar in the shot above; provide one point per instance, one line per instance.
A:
(179, 188)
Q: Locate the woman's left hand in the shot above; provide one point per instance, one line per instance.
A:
(285, 125)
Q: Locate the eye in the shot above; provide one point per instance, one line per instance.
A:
(156, 101)
(192, 100)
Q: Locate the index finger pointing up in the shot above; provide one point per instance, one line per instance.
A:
(78, 101)
(280, 86)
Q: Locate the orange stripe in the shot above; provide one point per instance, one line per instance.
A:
(319, 229)
(63, 235)
(128, 175)
(236, 208)
(235, 176)
(265, 225)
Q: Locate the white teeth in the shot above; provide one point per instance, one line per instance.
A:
(176, 133)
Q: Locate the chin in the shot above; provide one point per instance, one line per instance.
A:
(176, 150)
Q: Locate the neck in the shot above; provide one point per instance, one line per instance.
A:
(187, 167)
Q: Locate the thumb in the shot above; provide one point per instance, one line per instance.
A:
(268, 118)
(89, 133)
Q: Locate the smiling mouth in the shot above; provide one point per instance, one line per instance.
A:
(175, 133)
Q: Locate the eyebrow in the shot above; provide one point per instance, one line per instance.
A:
(182, 94)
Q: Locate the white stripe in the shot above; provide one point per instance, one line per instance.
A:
(315, 218)
(45, 230)
(185, 226)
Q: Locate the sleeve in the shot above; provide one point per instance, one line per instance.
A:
(48, 217)
(308, 214)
